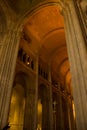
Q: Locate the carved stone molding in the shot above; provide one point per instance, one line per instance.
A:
(74, 28)
(81, 9)
(2, 23)
(83, 6)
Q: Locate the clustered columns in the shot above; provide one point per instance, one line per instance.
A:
(77, 56)
(30, 106)
(58, 122)
(44, 75)
(9, 43)
(50, 98)
(30, 121)
(63, 113)
(8, 60)
(47, 122)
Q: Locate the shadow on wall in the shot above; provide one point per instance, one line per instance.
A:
(6, 127)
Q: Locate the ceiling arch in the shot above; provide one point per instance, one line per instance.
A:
(44, 21)
(46, 26)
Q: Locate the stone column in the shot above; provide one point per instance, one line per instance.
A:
(36, 98)
(65, 114)
(50, 108)
(59, 113)
(70, 118)
(60, 104)
(77, 53)
(50, 103)
(30, 111)
(30, 120)
(45, 112)
(8, 57)
(72, 122)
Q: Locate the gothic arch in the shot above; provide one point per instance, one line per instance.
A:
(18, 102)
(20, 78)
(76, 49)
(21, 94)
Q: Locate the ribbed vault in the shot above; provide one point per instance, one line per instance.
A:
(46, 29)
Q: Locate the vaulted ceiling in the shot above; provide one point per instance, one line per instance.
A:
(45, 28)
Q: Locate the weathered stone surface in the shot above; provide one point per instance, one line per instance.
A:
(77, 57)
(2, 24)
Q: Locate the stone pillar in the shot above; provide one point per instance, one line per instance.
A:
(50, 103)
(59, 113)
(77, 53)
(36, 99)
(45, 112)
(65, 114)
(46, 97)
(72, 122)
(30, 120)
(70, 118)
(30, 111)
(50, 108)
(8, 57)
(59, 103)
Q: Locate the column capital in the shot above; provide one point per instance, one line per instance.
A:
(64, 5)
(63, 2)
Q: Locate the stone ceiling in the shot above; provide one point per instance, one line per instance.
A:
(45, 27)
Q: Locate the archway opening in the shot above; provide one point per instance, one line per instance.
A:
(17, 108)
(44, 34)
